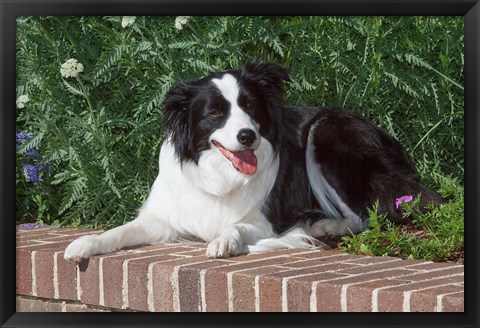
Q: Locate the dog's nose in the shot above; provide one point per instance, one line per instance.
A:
(246, 137)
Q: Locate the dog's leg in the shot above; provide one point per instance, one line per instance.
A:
(229, 243)
(340, 220)
(337, 227)
(234, 240)
(347, 221)
(145, 229)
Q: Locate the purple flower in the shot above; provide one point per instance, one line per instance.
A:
(403, 199)
(30, 158)
(29, 226)
(22, 138)
(31, 172)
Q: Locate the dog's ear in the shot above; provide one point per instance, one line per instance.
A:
(267, 76)
(268, 73)
(176, 117)
(179, 96)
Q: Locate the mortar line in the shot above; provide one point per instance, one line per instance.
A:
(176, 284)
(202, 291)
(125, 284)
(56, 292)
(257, 293)
(374, 297)
(439, 304)
(407, 295)
(34, 273)
(343, 292)
(150, 298)
(101, 290)
(79, 285)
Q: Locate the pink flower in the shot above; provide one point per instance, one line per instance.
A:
(403, 199)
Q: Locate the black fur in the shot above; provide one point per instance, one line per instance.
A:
(358, 159)
(188, 103)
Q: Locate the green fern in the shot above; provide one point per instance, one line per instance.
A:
(101, 134)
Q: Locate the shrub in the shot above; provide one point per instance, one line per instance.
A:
(435, 235)
(98, 117)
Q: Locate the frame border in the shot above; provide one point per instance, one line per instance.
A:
(10, 9)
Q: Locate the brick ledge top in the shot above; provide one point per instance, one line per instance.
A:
(179, 277)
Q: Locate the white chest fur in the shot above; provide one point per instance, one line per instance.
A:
(203, 199)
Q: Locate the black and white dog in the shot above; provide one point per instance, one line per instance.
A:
(243, 172)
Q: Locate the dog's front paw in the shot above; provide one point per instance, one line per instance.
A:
(225, 247)
(81, 248)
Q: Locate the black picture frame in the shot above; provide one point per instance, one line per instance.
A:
(9, 10)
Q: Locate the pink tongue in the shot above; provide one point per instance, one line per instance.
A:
(245, 161)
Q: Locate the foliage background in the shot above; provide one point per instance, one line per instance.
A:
(99, 134)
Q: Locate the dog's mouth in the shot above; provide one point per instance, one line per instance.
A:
(243, 161)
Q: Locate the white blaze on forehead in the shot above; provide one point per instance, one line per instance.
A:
(228, 86)
(237, 120)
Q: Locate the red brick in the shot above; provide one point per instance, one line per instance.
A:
(32, 233)
(26, 244)
(113, 275)
(391, 299)
(23, 272)
(41, 305)
(433, 274)
(376, 267)
(453, 303)
(369, 260)
(295, 252)
(216, 296)
(28, 231)
(74, 231)
(189, 285)
(299, 289)
(434, 265)
(61, 238)
(53, 246)
(82, 308)
(138, 280)
(308, 254)
(38, 235)
(271, 286)
(243, 285)
(67, 278)
(190, 253)
(320, 261)
(426, 300)
(163, 284)
(329, 292)
(36, 305)
(164, 248)
(44, 272)
(359, 296)
(326, 270)
(88, 276)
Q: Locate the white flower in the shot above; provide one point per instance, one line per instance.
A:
(71, 68)
(22, 100)
(128, 20)
(180, 21)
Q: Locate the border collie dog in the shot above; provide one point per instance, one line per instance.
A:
(243, 172)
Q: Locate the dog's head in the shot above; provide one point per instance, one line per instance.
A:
(229, 114)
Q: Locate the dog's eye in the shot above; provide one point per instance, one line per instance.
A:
(216, 112)
(250, 104)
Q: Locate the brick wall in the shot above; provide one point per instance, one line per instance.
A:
(178, 277)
